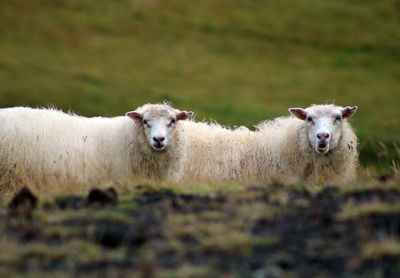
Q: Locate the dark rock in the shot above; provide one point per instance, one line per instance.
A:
(102, 197)
(23, 203)
(112, 235)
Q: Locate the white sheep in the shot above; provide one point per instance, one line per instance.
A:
(159, 150)
(40, 146)
(316, 144)
(322, 149)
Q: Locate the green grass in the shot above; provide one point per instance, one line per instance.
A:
(232, 61)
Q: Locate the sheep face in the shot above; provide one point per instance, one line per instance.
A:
(324, 124)
(158, 122)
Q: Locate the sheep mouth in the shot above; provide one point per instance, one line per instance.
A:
(158, 147)
(322, 148)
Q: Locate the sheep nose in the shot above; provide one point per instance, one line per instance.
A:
(159, 139)
(323, 136)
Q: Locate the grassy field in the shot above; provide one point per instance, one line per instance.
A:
(233, 61)
(237, 62)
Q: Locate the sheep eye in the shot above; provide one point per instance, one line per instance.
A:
(146, 123)
(309, 119)
(172, 122)
(338, 118)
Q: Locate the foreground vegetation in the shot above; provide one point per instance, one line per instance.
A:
(165, 230)
(232, 61)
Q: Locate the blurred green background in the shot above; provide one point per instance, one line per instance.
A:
(238, 62)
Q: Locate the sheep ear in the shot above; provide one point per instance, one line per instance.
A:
(183, 115)
(299, 113)
(349, 111)
(135, 116)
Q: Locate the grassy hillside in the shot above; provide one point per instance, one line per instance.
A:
(237, 62)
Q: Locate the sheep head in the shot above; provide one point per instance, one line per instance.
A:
(159, 122)
(324, 124)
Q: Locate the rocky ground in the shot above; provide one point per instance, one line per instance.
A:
(259, 231)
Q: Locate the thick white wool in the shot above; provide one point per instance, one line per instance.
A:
(214, 153)
(279, 150)
(42, 146)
